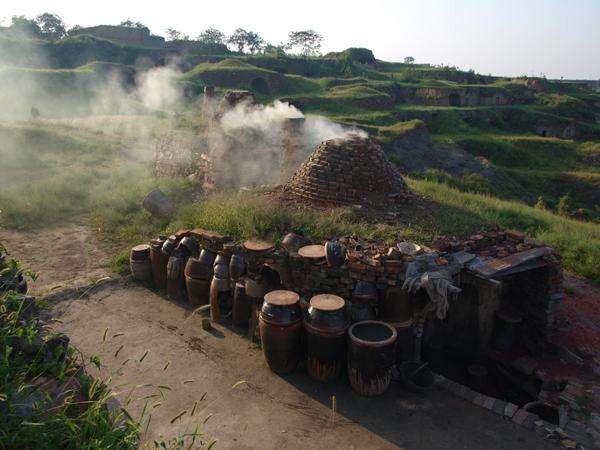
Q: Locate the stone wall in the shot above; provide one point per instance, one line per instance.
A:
(471, 314)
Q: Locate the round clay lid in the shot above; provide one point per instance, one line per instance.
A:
(312, 251)
(327, 302)
(282, 298)
(141, 248)
(256, 245)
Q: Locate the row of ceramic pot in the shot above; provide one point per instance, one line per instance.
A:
(327, 341)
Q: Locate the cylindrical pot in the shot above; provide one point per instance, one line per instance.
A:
(236, 267)
(159, 261)
(242, 306)
(220, 298)
(176, 276)
(222, 258)
(361, 310)
(221, 270)
(335, 253)
(292, 242)
(190, 244)
(140, 252)
(395, 306)
(280, 324)
(169, 245)
(207, 258)
(326, 325)
(139, 262)
(198, 290)
(371, 355)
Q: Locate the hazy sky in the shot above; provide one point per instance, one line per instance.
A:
(502, 37)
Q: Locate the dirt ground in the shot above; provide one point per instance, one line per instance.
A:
(186, 366)
(65, 257)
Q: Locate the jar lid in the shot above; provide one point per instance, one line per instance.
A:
(256, 245)
(312, 251)
(327, 302)
(282, 298)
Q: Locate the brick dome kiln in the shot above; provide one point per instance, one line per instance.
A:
(351, 170)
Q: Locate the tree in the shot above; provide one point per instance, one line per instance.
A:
(409, 60)
(309, 42)
(131, 24)
(176, 35)
(212, 36)
(254, 41)
(51, 26)
(272, 49)
(238, 39)
(23, 25)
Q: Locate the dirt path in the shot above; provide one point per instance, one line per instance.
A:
(121, 321)
(66, 256)
(267, 411)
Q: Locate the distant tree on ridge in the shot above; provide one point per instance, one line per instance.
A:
(309, 42)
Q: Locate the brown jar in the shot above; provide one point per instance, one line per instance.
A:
(280, 324)
(139, 262)
(326, 325)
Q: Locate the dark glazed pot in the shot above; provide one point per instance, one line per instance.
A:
(198, 290)
(371, 355)
(236, 267)
(335, 253)
(169, 245)
(280, 324)
(220, 298)
(242, 306)
(176, 276)
(159, 260)
(326, 325)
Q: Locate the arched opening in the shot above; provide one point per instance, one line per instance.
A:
(454, 99)
(260, 85)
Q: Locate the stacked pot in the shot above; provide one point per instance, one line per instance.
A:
(198, 275)
(159, 260)
(221, 299)
(139, 262)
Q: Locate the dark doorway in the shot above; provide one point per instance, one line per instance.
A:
(260, 85)
(454, 99)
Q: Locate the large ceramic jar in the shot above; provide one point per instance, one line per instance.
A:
(280, 324)
(159, 260)
(220, 298)
(326, 325)
(242, 306)
(176, 275)
(371, 356)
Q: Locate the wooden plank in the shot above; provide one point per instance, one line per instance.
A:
(494, 267)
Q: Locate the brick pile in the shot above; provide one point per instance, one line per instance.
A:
(351, 170)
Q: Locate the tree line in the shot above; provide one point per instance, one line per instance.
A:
(306, 42)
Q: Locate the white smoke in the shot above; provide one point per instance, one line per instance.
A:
(247, 143)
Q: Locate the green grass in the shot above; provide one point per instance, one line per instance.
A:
(81, 421)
